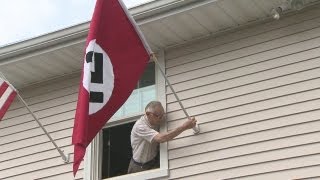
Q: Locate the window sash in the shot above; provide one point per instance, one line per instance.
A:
(136, 102)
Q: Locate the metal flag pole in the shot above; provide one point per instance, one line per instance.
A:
(196, 129)
(63, 156)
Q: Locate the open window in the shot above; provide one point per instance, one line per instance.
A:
(110, 152)
(116, 150)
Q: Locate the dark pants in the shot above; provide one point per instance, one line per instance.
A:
(138, 167)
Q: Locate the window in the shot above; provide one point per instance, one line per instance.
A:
(110, 152)
(116, 150)
(145, 92)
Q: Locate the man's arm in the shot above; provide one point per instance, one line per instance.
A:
(167, 136)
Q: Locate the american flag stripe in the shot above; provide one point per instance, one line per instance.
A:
(7, 95)
(3, 87)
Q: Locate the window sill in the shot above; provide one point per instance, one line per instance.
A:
(151, 174)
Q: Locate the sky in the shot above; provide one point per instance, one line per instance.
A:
(25, 19)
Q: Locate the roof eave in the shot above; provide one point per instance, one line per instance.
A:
(145, 13)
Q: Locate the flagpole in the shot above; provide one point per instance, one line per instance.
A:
(63, 156)
(196, 129)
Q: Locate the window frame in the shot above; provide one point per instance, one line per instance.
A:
(93, 157)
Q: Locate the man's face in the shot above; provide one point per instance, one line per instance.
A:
(157, 116)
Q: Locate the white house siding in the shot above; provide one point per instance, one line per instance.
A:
(256, 93)
(25, 152)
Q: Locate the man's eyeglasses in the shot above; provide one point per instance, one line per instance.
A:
(159, 116)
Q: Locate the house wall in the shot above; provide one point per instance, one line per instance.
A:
(256, 93)
(25, 152)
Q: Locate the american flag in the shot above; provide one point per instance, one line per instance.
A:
(7, 95)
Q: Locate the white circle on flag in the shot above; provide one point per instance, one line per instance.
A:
(108, 77)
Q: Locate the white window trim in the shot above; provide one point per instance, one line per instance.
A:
(93, 160)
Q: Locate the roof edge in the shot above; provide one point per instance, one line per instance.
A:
(79, 32)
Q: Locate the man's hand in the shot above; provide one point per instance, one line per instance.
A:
(164, 137)
(190, 123)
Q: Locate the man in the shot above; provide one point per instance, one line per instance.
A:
(145, 137)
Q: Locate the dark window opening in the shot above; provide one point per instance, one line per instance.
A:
(117, 150)
(148, 76)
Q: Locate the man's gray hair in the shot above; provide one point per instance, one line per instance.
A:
(152, 105)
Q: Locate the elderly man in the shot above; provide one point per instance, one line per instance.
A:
(145, 137)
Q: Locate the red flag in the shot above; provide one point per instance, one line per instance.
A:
(116, 55)
(7, 95)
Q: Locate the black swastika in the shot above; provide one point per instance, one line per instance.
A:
(97, 75)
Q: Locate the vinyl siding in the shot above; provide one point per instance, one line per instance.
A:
(25, 152)
(256, 93)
